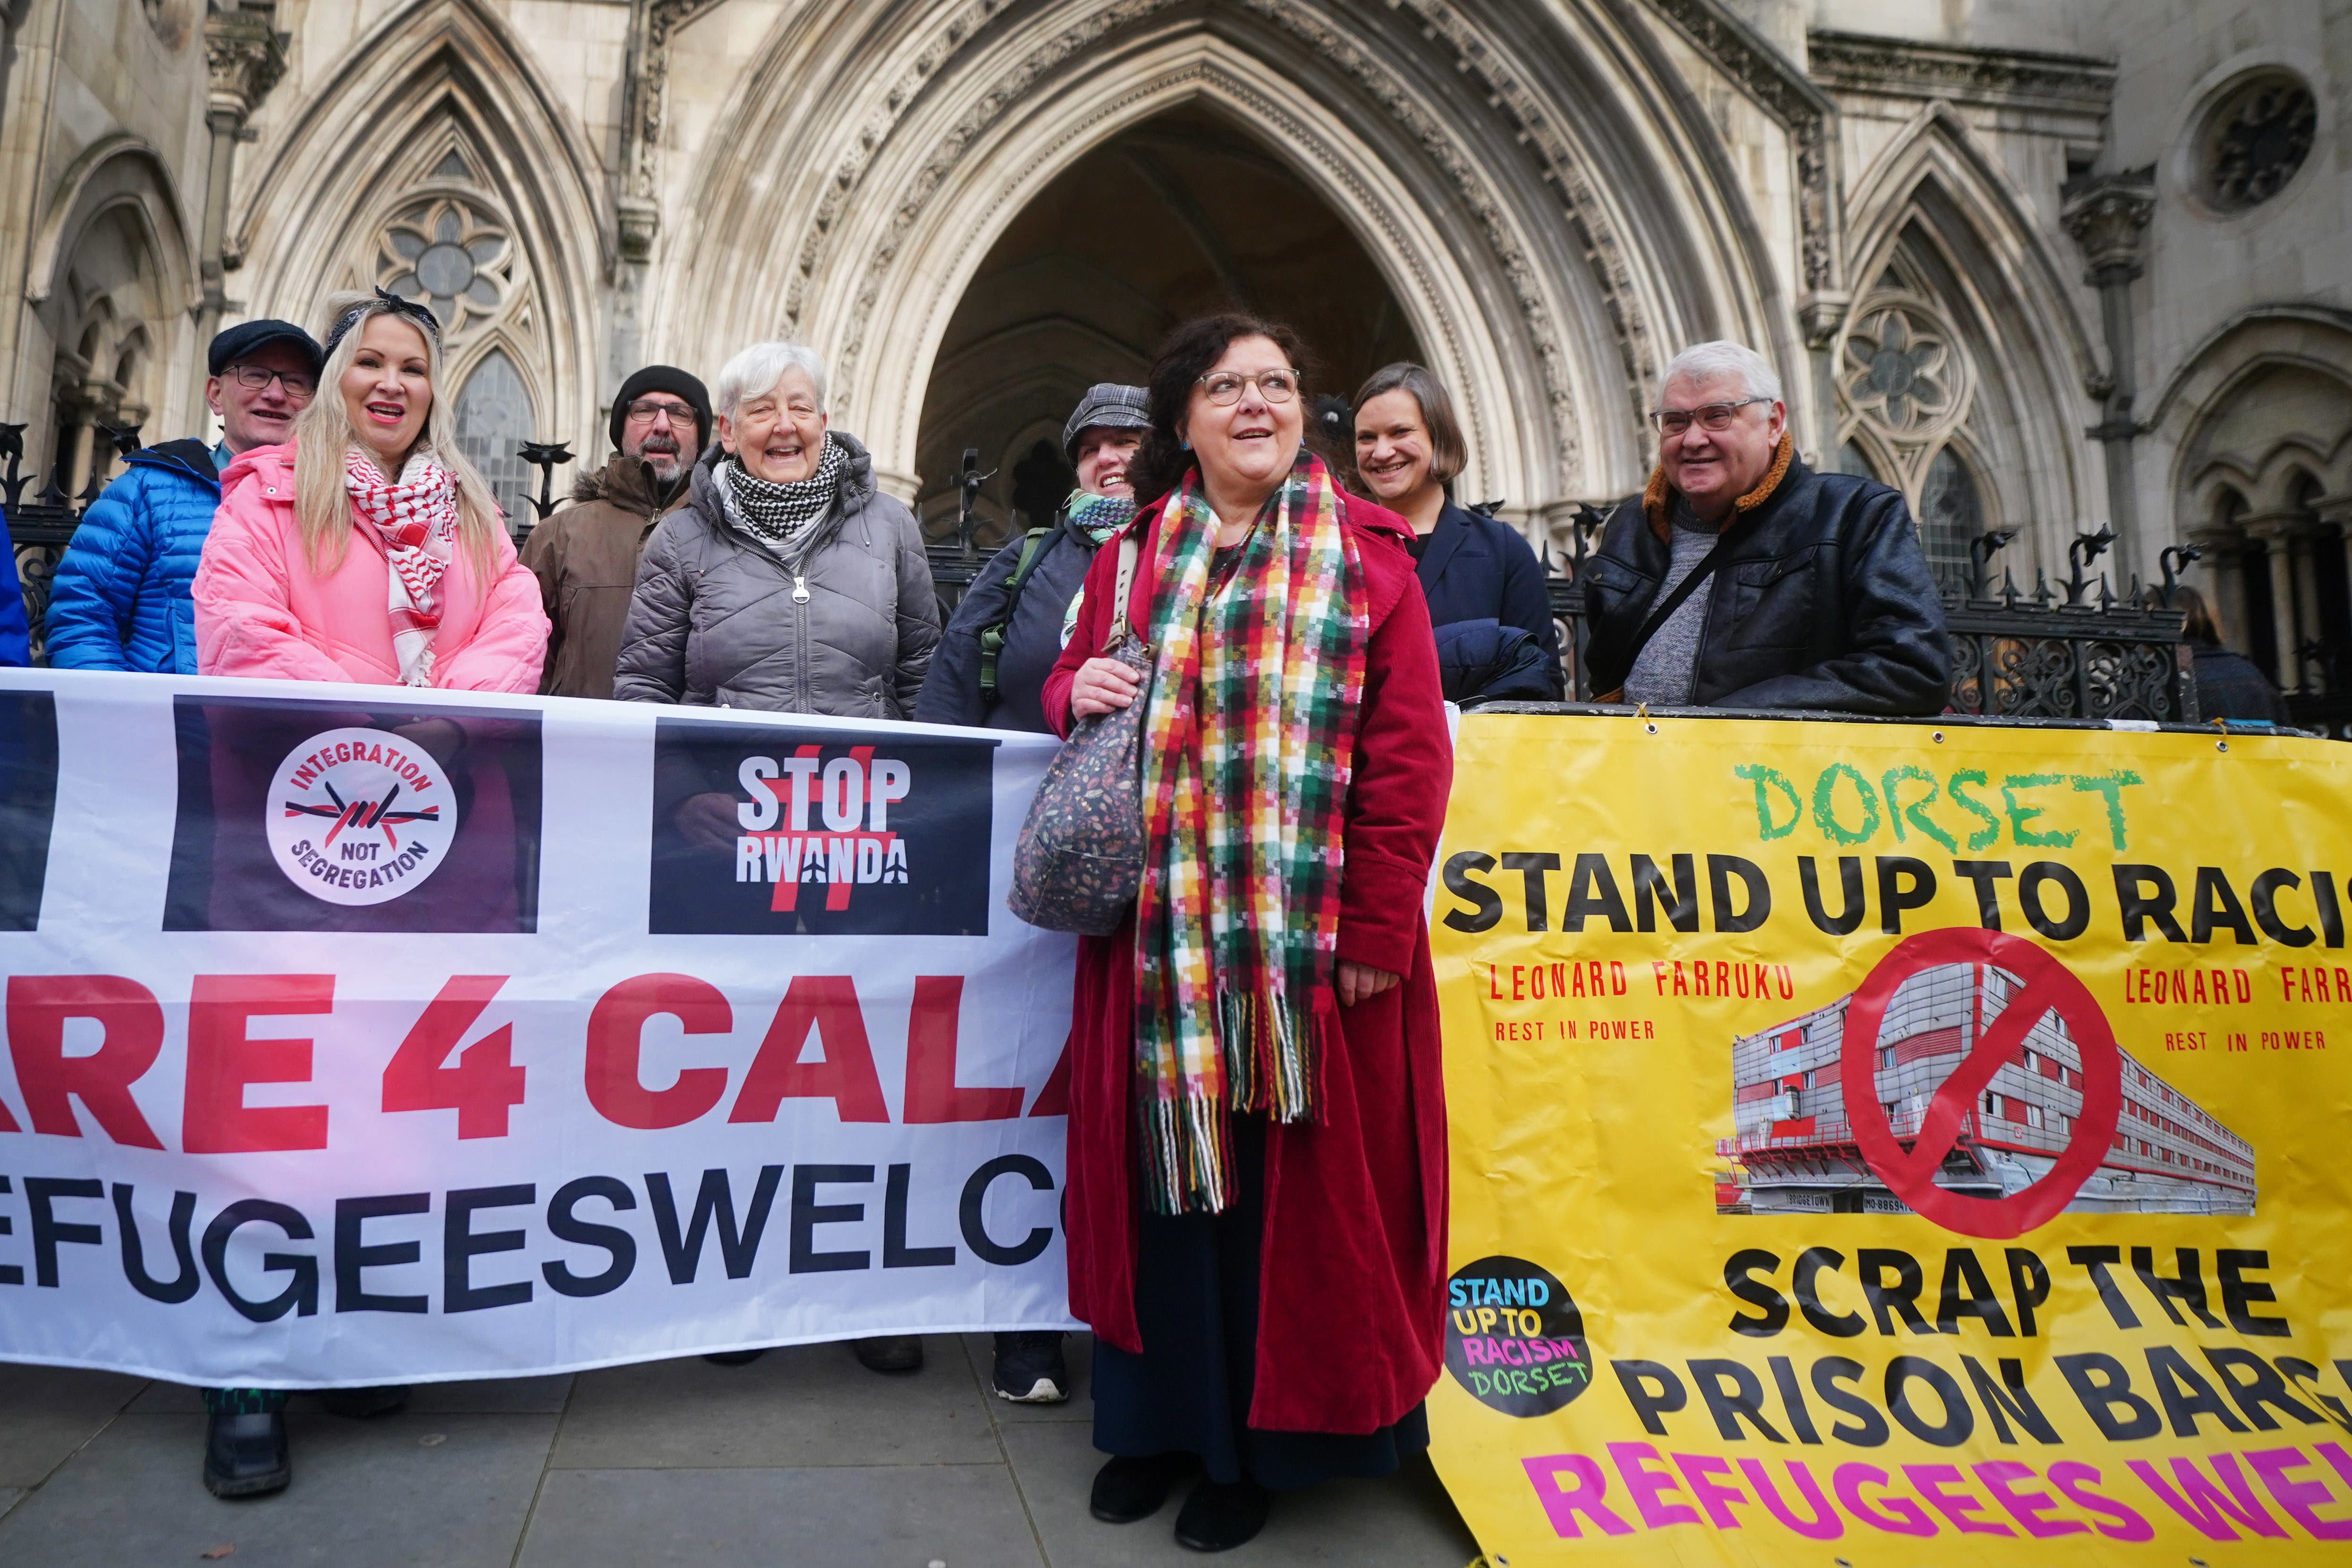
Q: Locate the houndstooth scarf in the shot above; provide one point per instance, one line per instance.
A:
(1256, 683)
(1098, 516)
(783, 516)
(416, 519)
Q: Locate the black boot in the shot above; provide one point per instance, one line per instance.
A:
(247, 1455)
(890, 1352)
(1129, 1489)
(1218, 1517)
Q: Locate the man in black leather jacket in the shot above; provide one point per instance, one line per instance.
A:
(1812, 591)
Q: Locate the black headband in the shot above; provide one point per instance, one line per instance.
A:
(385, 301)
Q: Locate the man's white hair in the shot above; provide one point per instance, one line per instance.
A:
(755, 372)
(1703, 361)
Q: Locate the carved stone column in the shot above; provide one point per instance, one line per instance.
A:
(11, 16)
(2276, 532)
(247, 55)
(637, 204)
(2309, 628)
(1821, 317)
(2107, 214)
(82, 406)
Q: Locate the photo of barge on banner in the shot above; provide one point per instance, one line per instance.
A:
(1793, 1149)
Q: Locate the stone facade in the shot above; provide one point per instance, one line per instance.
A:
(2047, 267)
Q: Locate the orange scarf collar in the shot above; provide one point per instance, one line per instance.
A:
(1657, 496)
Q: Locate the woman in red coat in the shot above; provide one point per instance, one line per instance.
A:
(1257, 1119)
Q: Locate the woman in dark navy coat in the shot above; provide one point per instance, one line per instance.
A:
(1484, 586)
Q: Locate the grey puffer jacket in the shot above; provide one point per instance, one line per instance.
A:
(715, 620)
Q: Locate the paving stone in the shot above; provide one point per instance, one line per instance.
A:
(967, 1516)
(364, 1494)
(1078, 1349)
(800, 1405)
(1403, 1522)
(51, 1410)
(486, 1397)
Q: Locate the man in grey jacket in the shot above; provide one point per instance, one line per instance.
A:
(788, 583)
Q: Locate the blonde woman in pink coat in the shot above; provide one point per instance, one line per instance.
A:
(368, 551)
(367, 548)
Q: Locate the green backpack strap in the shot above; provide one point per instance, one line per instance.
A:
(992, 636)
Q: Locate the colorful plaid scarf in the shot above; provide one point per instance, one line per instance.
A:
(1257, 677)
(417, 522)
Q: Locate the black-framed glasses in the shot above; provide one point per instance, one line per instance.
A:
(1224, 386)
(1712, 417)
(300, 385)
(645, 410)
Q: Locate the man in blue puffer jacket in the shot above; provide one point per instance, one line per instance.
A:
(15, 631)
(120, 600)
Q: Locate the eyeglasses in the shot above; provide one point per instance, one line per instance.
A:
(1224, 386)
(645, 410)
(1714, 416)
(298, 384)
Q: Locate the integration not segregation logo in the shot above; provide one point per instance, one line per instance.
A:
(359, 816)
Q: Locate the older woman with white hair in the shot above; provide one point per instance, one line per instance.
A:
(789, 582)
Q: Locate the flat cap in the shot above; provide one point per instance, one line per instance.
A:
(242, 340)
(1106, 406)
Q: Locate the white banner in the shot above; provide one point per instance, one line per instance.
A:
(358, 1034)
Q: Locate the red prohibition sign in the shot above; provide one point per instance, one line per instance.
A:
(2047, 985)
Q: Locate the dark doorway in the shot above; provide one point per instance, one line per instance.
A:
(1184, 213)
(2261, 628)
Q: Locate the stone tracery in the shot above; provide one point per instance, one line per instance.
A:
(2256, 139)
(452, 254)
(1905, 376)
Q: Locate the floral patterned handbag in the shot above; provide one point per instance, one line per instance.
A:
(1079, 861)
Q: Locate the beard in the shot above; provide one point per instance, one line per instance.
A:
(661, 454)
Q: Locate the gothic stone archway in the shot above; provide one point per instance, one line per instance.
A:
(1066, 298)
(1545, 239)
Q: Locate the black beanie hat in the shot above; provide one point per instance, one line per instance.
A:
(665, 378)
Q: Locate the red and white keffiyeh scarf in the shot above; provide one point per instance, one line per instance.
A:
(416, 519)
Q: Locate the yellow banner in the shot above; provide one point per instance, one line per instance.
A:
(1880, 1144)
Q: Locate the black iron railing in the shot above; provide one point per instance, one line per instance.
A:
(2073, 650)
(2326, 713)
(39, 529)
(956, 561)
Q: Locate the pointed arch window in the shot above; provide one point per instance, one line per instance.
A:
(494, 420)
(1908, 390)
(1951, 516)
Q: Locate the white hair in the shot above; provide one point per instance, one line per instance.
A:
(1703, 361)
(758, 369)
